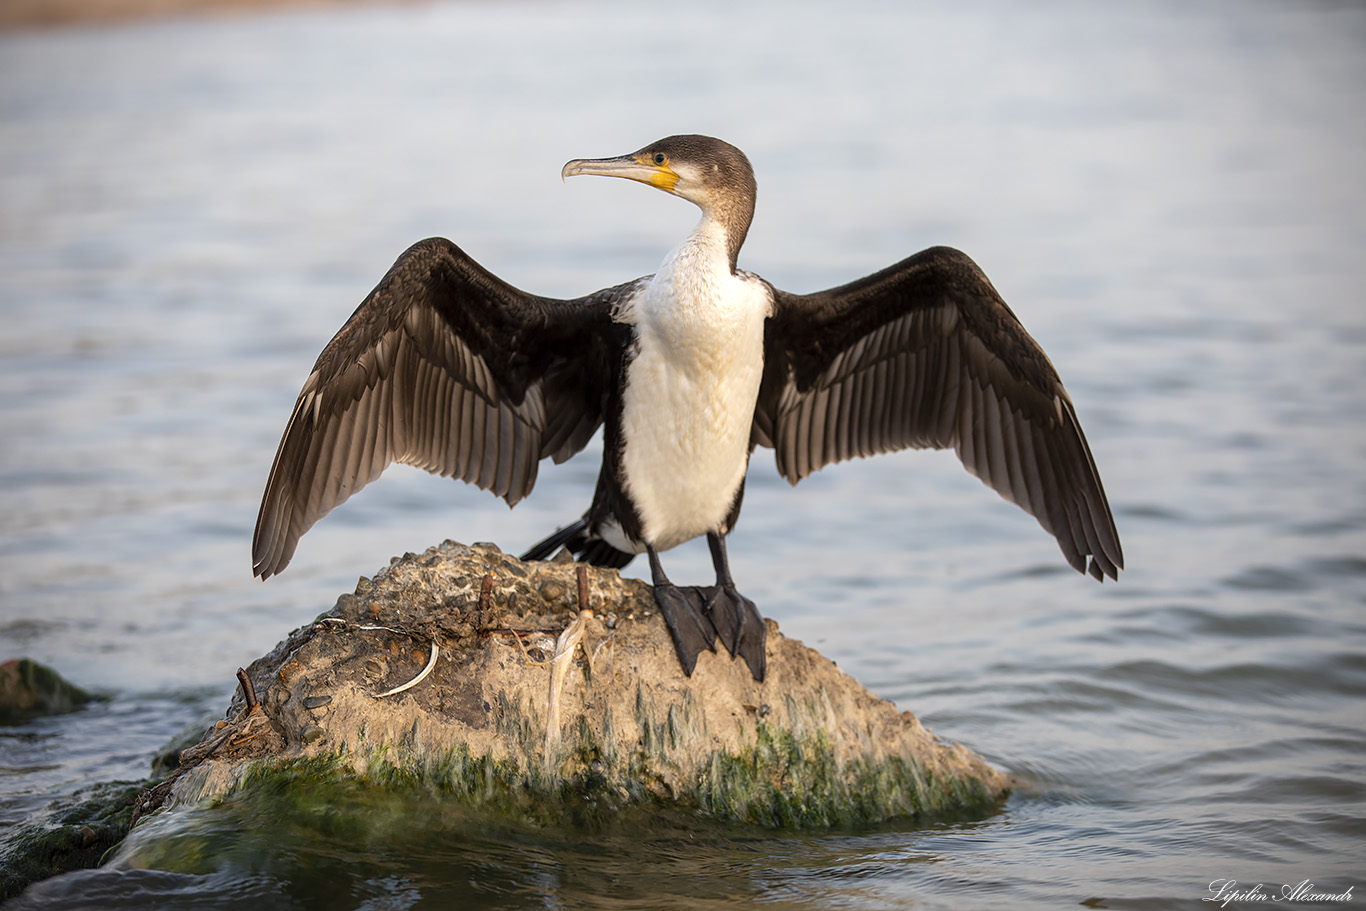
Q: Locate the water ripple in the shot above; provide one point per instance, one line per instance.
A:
(1172, 204)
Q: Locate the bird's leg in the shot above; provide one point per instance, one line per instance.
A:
(684, 611)
(736, 619)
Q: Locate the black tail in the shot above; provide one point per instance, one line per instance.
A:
(585, 547)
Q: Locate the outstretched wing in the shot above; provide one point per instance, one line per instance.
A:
(446, 367)
(926, 355)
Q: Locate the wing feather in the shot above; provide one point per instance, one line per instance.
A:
(445, 367)
(847, 441)
(925, 354)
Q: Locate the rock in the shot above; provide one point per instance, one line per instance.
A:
(74, 832)
(71, 834)
(531, 703)
(29, 689)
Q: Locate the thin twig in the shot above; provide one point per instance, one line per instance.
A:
(526, 654)
(508, 631)
(357, 626)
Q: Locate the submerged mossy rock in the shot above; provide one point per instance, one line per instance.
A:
(73, 833)
(501, 721)
(30, 690)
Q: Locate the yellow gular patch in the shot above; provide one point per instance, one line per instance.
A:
(663, 177)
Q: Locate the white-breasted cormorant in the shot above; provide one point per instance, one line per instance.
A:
(447, 367)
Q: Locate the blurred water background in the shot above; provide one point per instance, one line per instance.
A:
(1170, 195)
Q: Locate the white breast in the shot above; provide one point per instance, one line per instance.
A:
(688, 404)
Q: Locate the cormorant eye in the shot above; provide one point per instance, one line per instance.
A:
(660, 158)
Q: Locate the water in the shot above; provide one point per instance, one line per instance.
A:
(1169, 195)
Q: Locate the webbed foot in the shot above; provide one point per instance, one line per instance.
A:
(740, 626)
(685, 614)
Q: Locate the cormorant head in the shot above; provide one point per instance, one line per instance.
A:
(714, 175)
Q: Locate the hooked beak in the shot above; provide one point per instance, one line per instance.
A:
(632, 167)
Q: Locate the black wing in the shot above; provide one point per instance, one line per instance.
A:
(446, 367)
(926, 355)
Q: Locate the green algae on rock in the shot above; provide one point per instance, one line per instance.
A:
(71, 834)
(77, 831)
(30, 690)
(549, 689)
